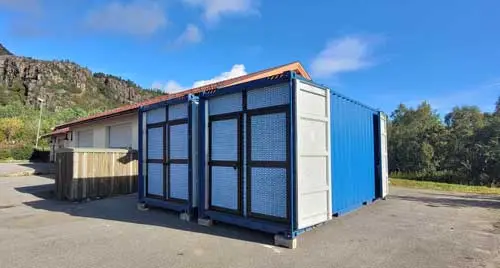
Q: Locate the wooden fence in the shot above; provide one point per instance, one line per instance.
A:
(95, 172)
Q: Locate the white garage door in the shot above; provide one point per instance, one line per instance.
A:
(86, 138)
(120, 136)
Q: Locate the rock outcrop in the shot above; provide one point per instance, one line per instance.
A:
(63, 84)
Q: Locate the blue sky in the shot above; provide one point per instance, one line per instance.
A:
(379, 52)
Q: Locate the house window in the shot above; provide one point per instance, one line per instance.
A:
(86, 138)
(120, 136)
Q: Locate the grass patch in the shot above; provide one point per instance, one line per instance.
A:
(448, 187)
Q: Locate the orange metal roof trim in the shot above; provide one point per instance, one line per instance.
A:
(294, 66)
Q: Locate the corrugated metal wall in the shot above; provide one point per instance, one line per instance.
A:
(353, 154)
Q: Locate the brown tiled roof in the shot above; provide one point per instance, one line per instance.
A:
(294, 66)
(60, 131)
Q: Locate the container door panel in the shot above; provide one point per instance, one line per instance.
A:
(268, 176)
(178, 178)
(313, 200)
(224, 163)
(155, 166)
(155, 180)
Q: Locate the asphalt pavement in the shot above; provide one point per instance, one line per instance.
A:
(412, 228)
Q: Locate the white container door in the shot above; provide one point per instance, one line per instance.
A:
(313, 154)
(384, 160)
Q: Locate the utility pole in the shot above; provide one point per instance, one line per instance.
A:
(39, 121)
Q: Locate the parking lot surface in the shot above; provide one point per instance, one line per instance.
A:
(412, 228)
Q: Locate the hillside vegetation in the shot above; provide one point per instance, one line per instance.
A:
(69, 90)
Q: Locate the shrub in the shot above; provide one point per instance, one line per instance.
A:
(21, 153)
(5, 154)
(40, 155)
(10, 127)
(444, 176)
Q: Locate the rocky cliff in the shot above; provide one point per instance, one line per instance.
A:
(63, 84)
(4, 51)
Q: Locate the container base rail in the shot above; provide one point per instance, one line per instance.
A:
(184, 214)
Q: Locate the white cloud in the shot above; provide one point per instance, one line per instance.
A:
(236, 70)
(214, 9)
(135, 18)
(191, 35)
(342, 55)
(172, 86)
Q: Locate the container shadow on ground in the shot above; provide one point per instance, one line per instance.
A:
(123, 208)
(46, 170)
(448, 200)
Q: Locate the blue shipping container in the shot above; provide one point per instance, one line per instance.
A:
(354, 171)
(280, 154)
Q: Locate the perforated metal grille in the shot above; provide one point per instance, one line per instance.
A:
(268, 192)
(268, 96)
(155, 116)
(179, 141)
(179, 181)
(225, 187)
(178, 111)
(155, 143)
(225, 104)
(268, 137)
(155, 179)
(225, 140)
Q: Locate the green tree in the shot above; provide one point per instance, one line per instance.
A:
(497, 107)
(464, 151)
(10, 127)
(414, 139)
(464, 148)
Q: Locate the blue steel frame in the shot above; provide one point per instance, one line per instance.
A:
(172, 205)
(293, 140)
(251, 223)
